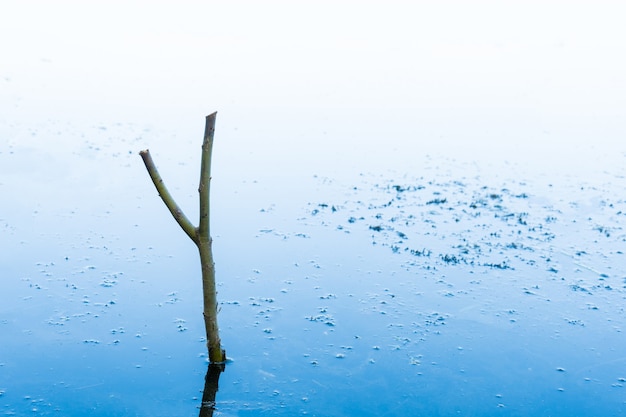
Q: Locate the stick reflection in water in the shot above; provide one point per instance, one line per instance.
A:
(211, 381)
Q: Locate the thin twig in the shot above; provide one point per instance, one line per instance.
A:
(167, 198)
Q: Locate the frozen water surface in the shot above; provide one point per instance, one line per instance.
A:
(418, 210)
(436, 286)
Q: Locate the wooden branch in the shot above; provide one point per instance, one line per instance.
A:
(205, 243)
(167, 198)
(200, 235)
(205, 176)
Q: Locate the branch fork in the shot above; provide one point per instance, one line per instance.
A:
(199, 235)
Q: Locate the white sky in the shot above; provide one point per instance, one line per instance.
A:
(413, 73)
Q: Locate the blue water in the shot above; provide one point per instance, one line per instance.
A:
(436, 286)
(417, 209)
